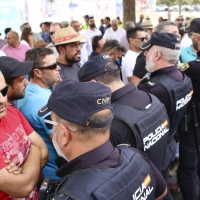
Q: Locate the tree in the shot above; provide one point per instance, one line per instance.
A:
(129, 10)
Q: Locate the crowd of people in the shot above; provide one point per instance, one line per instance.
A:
(100, 112)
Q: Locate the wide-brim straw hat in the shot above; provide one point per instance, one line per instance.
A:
(147, 24)
(66, 35)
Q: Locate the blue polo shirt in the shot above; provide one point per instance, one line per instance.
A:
(188, 55)
(35, 98)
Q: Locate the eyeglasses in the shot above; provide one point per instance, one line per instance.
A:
(75, 45)
(4, 91)
(49, 125)
(53, 32)
(142, 39)
(51, 67)
(192, 34)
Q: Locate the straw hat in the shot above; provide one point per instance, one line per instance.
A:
(66, 35)
(147, 24)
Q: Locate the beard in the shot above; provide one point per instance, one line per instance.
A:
(195, 45)
(92, 25)
(150, 65)
(56, 145)
(72, 60)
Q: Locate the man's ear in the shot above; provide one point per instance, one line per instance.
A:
(61, 49)
(157, 56)
(37, 73)
(65, 136)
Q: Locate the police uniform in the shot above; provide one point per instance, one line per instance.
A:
(139, 118)
(93, 175)
(129, 107)
(187, 169)
(103, 172)
(173, 89)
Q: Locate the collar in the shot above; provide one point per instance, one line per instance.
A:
(87, 159)
(122, 91)
(164, 71)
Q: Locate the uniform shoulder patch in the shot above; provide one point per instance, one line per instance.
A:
(184, 66)
(151, 83)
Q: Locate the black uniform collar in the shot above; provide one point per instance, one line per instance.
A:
(87, 160)
(122, 91)
(164, 71)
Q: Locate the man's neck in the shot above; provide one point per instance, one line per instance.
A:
(136, 50)
(15, 45)
(9, 102)
(92, 29)
(39, 83)
(194, 50)
(63, 61)
(116, 85)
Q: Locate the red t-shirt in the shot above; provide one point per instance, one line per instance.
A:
(14, 143)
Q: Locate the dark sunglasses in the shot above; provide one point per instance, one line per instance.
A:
(51, 67)
(53, 32)
(142, 39)
(4, 91)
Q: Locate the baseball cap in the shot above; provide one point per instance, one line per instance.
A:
(95, 67)
(76, 102)
(64, 24)
(168, 40)
(194, 26)
(11, 67)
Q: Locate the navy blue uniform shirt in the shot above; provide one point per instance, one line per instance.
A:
(120, 132)
(106, 156)
(158, 90)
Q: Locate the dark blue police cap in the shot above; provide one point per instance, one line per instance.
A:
(95, 67)
(76, 102)
(194, 26)
(168, 40)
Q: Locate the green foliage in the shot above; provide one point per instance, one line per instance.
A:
(176, 2)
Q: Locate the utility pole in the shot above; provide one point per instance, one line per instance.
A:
(129, 10)
(180, 5)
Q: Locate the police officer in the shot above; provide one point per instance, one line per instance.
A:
(166, 82)
(81, 118)
(139, 118)
(187, 169)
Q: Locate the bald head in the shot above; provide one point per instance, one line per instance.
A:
(13, 39)
(114, 24)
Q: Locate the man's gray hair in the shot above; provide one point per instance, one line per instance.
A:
(162, 26)
(129, 25)
(171, 56)
(74, 21)
(114, 21)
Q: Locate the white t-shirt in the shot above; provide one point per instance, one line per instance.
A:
(2, 53)
(124, 42)
(90, 34)
(110, 34)
(128, 64)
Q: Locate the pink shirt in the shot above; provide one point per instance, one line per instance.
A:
(17, 53)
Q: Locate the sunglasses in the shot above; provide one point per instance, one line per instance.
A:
(142, 39)
(4, 91)
(49, 124)
(51, 67)
(51, 33)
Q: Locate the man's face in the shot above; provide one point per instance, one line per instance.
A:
(115, 56)
(10, 39)
(139, 40)
(3, 99)
(171, 29)
(114, 26)
(56, 139)
(50, 76)
(53, 29)
(141, 18)
(194, 42)
(91, 22)
(17, 88)
(150, 65)
(76, 26)
(45, 28)
(72, 52)
(101, 43)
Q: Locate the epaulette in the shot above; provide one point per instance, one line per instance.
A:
(184, 66)
(151, 83)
